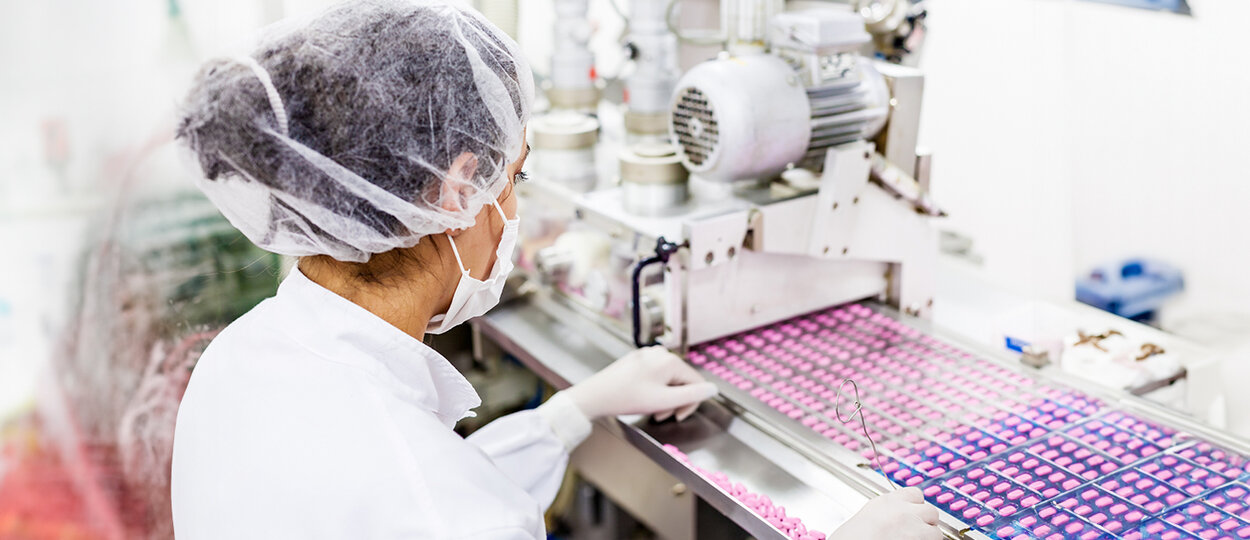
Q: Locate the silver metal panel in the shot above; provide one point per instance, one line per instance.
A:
(756, 289)
(636, 483)
(906, 94)
(563, 348)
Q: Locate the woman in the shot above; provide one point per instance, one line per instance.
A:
(380, 143)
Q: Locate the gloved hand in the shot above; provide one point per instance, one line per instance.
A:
(645, 381)
(897, 515)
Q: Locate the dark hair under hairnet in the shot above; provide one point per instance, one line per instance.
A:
(380, 98)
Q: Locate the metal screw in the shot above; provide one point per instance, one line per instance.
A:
(578, 214)
(845, 249)
(826, 250)
(835, 206)
(865, 154)
(732, 252)
(709, 258)
(855, 200)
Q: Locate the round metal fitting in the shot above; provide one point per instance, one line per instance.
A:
(653, 179)
(564, 131)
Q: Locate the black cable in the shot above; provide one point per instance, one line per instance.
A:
(663, 250)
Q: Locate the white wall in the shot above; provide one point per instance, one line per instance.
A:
(994, 96)
(1069, 133)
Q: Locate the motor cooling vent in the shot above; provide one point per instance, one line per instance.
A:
(694, 124)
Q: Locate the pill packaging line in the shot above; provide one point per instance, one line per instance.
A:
(1005, 454)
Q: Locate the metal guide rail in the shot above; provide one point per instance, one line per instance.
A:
(1006, 455)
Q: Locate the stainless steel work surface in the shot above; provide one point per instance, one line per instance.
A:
(564, 348)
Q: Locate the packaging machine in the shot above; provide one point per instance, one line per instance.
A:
(781, 238)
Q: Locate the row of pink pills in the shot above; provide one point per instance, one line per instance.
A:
(924, 465)
(1014, 429)
(1207, 522)
(1143, 490)
(1073, 400)
(927, 451)
(1218, 460)
(1158, 530)
(974, 443)
(1234, 499)
(759, 504)
(1055, 524)
(975, 511)
(1048, 413)
(1161, 435)
(1103, 509)
(1073, 456)
(724, 372)
(906, 475)
(943, 403)
(981, 483)
(1037, 474)
(1116, 442)
(1184, 474)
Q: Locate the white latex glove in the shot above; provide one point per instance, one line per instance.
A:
(897, 515)
(645, 381)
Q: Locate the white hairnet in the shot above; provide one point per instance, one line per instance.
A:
(336, 137)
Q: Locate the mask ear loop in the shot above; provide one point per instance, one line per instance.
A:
(500, 209)
(454, 249)
(459, 261)
(837, 411)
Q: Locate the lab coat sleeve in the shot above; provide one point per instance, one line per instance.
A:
(532, 447)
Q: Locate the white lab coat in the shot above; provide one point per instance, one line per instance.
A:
(310, 417)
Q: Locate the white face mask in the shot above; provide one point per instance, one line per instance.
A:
(474, 297)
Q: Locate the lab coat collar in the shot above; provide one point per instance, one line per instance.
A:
(338, 330)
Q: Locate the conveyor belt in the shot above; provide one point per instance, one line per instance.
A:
(1009, 455)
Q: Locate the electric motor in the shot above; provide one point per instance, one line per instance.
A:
(750, 117)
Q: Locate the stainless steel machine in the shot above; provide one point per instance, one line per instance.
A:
(782, 239)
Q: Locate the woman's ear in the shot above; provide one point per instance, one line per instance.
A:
(456, 187)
